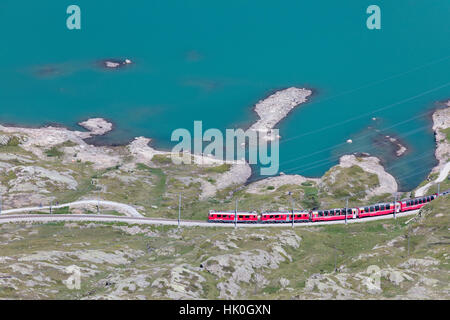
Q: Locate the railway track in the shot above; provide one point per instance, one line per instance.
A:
(10, 218)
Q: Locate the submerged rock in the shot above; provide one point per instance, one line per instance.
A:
(114, 64)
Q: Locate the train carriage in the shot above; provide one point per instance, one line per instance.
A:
(416, 203)
(378, 209)
(284, 216)
(230, 216)
(334, 214)
(275, 217)
(301, 216)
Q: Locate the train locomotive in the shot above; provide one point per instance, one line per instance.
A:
(372, 210)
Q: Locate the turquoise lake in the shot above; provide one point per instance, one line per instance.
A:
(213, 60)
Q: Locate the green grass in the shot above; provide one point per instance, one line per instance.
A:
(161, 159)
(193, 246)
(447, 134)
(54, 152)
(64, 210)
(218, 169)
(13, 141)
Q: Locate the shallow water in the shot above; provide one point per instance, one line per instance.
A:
(213, 60)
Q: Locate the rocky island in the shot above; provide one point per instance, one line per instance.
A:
(276, 107)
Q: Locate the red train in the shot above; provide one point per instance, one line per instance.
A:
(323, 215)
(334, 214)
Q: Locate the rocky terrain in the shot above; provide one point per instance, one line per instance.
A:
(52, 164)
(395, 259)
(439, 174)
(441, 127)
(391, 259)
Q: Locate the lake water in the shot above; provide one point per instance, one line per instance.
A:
(213, 60)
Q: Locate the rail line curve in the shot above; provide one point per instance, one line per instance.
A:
(172, 222)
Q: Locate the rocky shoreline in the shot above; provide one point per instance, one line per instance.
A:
(441, 122)
(441, 128)
(74, 149)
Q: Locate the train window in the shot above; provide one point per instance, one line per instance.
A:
(428, 199)
(372, 209)
(409, 203)
(377, 208)
(388, 206)
(338, 212)
(366, 209)
(432, 197)
(382, 207)
(332, 212)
